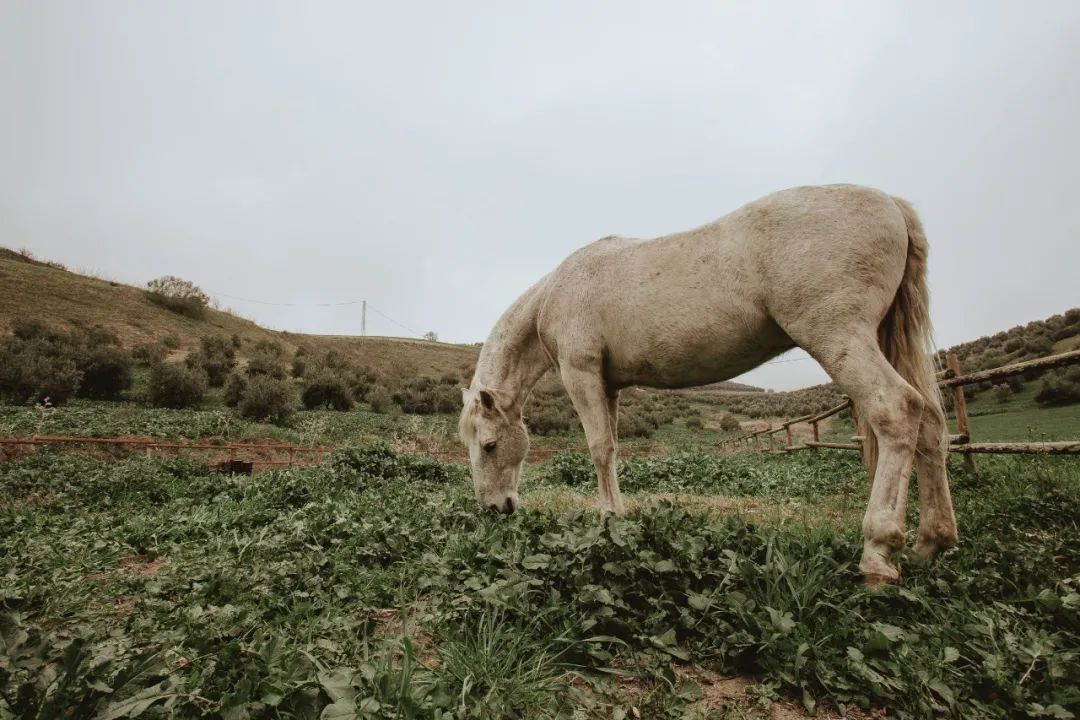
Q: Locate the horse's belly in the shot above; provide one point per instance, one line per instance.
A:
(691, 354)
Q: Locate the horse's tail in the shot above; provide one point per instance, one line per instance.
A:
(905, 334)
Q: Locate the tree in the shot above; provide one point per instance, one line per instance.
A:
(179, 295)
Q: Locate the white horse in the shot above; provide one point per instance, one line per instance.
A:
(838, 270)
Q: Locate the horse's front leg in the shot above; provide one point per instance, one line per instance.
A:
(597, 410)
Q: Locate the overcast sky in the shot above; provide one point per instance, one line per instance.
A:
(438, 158)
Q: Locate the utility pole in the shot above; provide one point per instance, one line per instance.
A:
(363, 318)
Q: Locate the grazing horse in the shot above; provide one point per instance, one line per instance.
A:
(839, 271)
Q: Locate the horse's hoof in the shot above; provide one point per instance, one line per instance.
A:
(873, 581)
(929, 548)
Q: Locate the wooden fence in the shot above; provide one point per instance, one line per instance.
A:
(266, 455)
(260, 455)
(951, 380)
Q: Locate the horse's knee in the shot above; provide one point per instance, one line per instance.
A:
(896, 417)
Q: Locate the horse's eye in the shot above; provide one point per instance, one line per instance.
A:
(489, 447)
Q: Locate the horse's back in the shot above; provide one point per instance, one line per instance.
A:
(710, 303)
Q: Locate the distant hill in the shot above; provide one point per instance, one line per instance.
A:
(31, 289)
(1055, 334)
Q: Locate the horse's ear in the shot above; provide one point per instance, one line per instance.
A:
(487, 399)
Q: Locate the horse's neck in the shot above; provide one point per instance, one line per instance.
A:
(513, 359)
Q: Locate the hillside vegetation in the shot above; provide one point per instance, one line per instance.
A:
(46, 292)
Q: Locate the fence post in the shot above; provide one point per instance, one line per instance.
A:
(814, 427)
(787, 432)
(960, 407)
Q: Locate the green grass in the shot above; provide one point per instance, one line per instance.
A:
(1021, 418)
(373, 587)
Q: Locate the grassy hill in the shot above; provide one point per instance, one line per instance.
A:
(35, 290)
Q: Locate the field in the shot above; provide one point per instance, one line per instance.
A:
(1021, 418)
(373, 587)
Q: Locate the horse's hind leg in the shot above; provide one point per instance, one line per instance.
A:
(597, 410)
(894, 409)
(937, 523)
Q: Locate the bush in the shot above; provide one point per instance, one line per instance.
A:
(235, 386)
(216, 357)
(33, 370)
(327, 389)
(730, 423)
(106, 373)
(424, 396)
(171, 341)
(364, 380)
(267, 358)
(694, 423)
(174, 385)
(1003, 393)
(268, 399)
(1061, 387)
(549, 421)
(635, 426)
(379, 399)
(177, 295)
(150, 353)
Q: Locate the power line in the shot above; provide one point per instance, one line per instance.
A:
(329, 304)
(777, 362)
(384, 315)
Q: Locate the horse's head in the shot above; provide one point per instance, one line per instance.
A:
(496, 440)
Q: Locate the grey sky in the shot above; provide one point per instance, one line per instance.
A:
(437, 158)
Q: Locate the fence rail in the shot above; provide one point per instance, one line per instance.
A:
(255, 453)
(952, 379)
(270, 454)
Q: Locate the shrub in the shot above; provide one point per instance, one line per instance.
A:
(174, 385)
(177, 295)
(235, 386)
(236, 341)
(327, 389)
(1060, 388)
(216, 357)
(299, 367)
(171, 341)
(106, 373)
(32, 370)
(149, 353)
(729, 423)
(268, 399)
(379, 399)
(549, 421)
(1003, 393)
(424, 396)
(635, 426)
(694, 423)
(267, 358)
(363, 380)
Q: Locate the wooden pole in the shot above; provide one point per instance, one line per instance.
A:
(960, 406)
(787, 431)
(814, 427)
